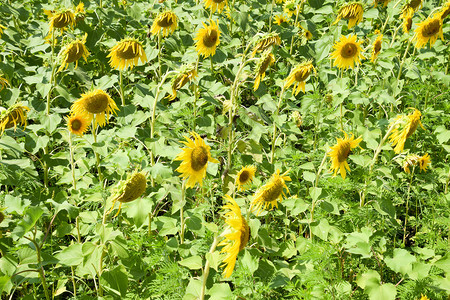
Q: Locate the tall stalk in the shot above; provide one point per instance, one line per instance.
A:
(97, 156)
(314, 202)
(274, 134)
(72, 164)
(407, 205)
(122, 97)
(183, 197)
(159, 55)
(53, 66)
(206, 269)
(403, 59)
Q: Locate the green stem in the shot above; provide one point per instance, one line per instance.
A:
(72, 164)
(271, 15)
(342, 125)
(314, 203)
(295, 26)
(274, 135)
(52, 64)
(446, 183)
(206, 269)
(183, 196)
(73, 282)
(45, 167)
(40, 267)
(394, 35)
(159, 54)
(121, 88)
(403, 60)
(407, 205)
(196, 93)
(97, 156)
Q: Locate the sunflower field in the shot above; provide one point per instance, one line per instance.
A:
(224, 149)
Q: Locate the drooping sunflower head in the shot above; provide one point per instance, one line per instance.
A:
(353, 12)
(298, 76)
(291, 7)
(3, 83)
(214, 5)
(376, 47)
(414, 160)
(73, 52)
(13, 116)
(407, 19)
(97, 103)
(132, 188)
(297, 118)
(413, 4)
(428, 30)
(266, 60)
(166, 21)
(185, 74)
(1, 30)
(403, 128)
(280, 19)
(126, 54)
(385, 2)
(245, 176)
(78, 124)
(208, 39)
(194, 160)
(80, 14)
(235, 235)
(443, 13)
(347, 52)
(340, 152)
(265, 42)
(270, 193)
(59, 20)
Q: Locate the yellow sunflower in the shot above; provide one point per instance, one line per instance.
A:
(340, 152)
(129, 190)
(78, 124)
(385, 2)
(445, 10)
(60, 20)
(73, 52)
(413, 160)
(245, 176)
(404, 128)
(347, 52)
(376, 48)
(1, 30)
(280, 18)
(270, 193)
(208, 39)
(298, 77)
(215, 5)
(266, 60)
(186, 73)
(428, 30)
(13, 116)
(194, 160)
(424, 297)
(236, 235)
(413, 4)
(3, 83)
(126, 54)
(291, 7)
(353, 12)
(97, 103)
(407, 19)
(167, 21)
(307, 34)
(265, 42)
(79, 12)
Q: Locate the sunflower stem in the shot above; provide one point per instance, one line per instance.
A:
(342, 125)
(407, 205)
(271, 15)
(295, 26)
(314, 203)
(72, 164)
(206, 269)
(403, 60)
(97, 156)
(121, 87)
(45, 167)
(53, 68)
(212, 65)
(446, 183)
(159, 54)
(183, 196)
(394, 35)
(272, 153)
(196, 93)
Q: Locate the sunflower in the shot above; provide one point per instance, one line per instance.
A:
(307, 34)
(245, 176)
(80, 14)
(11, 117)
(353, 12)
(270, 193)
(290, 7)
(413, 160)
(347, 52)
(266, 60)
(376, 47)
(97, 103)
(385, 2)
(73, 52)
(60, 20)
(428, 30)
(129, 190)
(407, 19)
(443, 13)
(167, 21)
(297, 118)
(404, 128)
(215, 5)
(208, 39)
(185, 74)
(78, 124)
(413, 4)
(340, 152)
(423, 297)
(236, 235)
(279, 19)
(3, 83)
(194, 160)
(298, 77)
(266, 42)
(126, 54)
(1, 30)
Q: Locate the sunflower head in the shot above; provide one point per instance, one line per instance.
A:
(185, 74)
(347, 52)
(407, 19)
(385, 2)
(376, 48)
(167, 21)
(270, 193)
(126, 54)
(413, 4)
(245, 176)
(208, 38)
(291, 7)
(298, 76)
(80, 14)
(215, 5)
(3, 83)
(78, 124)
(266, 60)
(413, 160)
(404, 127)
(73, 52)
(353, 12)
(307, 34)
(443, 13)
(194, 160)
(97, 103)
(131, 188)
(265, 42)
(340, 152)
(428, 30)
(13, 116)
(1, 30)
(297, 118)
(280, 19)
(235, 235)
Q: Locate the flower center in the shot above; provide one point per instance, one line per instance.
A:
(134, 188)
(76, 125)
(13, 118)
(245, 234)
(218, 1)
(210, 38)
(165, 21)
(96, 103)
(274, 192)
(302, 75)
(199, 158)
(265, 64)
(244, 176)
(128, 51)
(408, 24)
(75, 52)
(343, 151)
(377, 47)
(431, 28)
(414, 4)
(62, 20)
(349, 50)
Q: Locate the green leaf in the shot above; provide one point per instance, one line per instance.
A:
(193, 290)
(401, 261)
(71, 256)
(249, 262)
(368, 279)
(220, 291)
(138, 210)
(309, 176)
(32, 214)
(116, 281)
(166, 225)
(387, 291)
(192, 263)
(5, 284)
(321, 230)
